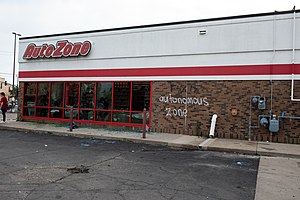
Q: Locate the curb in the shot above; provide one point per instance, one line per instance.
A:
(275, 154)
(103, 137)
(254, 153)
(204, 146)
(220, 149)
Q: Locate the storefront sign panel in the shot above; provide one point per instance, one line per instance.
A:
(62, 49)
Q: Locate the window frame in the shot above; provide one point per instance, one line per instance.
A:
(64, 107)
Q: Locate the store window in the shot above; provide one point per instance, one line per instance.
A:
(42, 100)
(104, 101)
(104, 94)
(87, 103)
(117, 102)
(122, 95)
(29, 98)
(140, 100)
(57, 91)
(123, 117)
(43, 94)
(56, 100)
(71, 99)
(140, 96)
(42, 112)
(87, 95)
(104, 116)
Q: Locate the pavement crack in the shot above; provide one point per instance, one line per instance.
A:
(18, 156)
(106, 160)
(173, 196)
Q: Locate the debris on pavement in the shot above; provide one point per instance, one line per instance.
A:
(80, 169)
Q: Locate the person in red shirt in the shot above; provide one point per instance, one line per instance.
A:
(3, 105)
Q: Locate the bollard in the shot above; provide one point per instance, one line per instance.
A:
(144, 123)
(71, 119)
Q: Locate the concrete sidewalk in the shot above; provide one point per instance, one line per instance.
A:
(171, 140)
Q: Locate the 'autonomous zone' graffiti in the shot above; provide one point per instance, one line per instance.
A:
(182, 112)
(184, 100)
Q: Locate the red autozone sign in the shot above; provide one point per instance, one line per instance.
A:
(62, 49)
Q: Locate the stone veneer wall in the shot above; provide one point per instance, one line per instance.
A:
(220, 97)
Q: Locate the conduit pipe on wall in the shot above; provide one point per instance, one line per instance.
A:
(293, 56)
(292, 90)
(294, 37)
(213, 126)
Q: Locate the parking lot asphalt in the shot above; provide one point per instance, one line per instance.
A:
(34, 166)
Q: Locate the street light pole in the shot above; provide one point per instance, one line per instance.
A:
(14, 69)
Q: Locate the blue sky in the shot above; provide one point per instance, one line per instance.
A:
(39, 17)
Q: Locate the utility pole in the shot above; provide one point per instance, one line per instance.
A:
(14, 69)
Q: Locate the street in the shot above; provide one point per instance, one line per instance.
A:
(34, 166)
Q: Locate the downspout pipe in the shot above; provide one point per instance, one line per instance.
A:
(293, 56)
(213, 126)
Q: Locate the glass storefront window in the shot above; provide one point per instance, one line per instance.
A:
(56, 113)
(121, 95)
(87, 114)
(71, 95)
(103, 116)
(116, 102)
(29, 94)
(87, 95)
(137, 117)
(57, 91)
(42, 112)
(67, 114)
(28, 112)
(104, 94)
(140, 96)
(121, 117)
(43, 94)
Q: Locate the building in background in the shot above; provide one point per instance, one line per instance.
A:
(245, 69)
(6, 88)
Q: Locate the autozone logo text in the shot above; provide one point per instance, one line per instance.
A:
(62, 49)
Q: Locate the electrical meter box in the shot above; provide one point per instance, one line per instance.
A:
(262, 103)
(274, 125)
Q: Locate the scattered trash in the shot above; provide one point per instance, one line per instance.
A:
(74, 126)
(243, 164)
(110, 142)
(87, 143)
(76, 170)
(84, 145)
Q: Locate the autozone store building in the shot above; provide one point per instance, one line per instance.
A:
(245, 69)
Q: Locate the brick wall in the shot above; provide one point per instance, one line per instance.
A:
(221, 97)
(20, 100)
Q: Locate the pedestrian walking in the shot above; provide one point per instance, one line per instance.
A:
(3, 106)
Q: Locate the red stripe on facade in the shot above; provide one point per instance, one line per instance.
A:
(278, 69)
